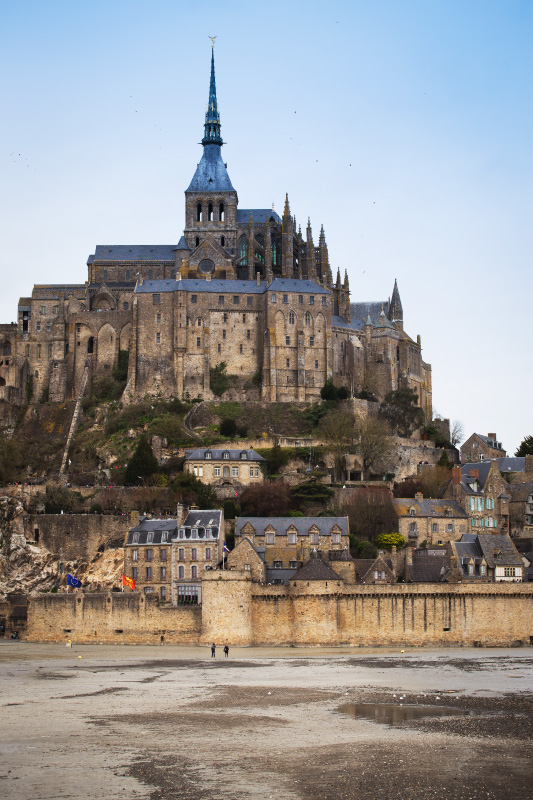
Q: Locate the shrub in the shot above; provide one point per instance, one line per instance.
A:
(142, 464)
(120, 372)
(228, 427)
(219, 379)
(386, 541)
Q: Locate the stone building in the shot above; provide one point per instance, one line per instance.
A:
(433, 521)
(169, 556)
(283, 544)
(243, 287)
(223, 467)
(483, 494)
(477, 447)
(487, 557)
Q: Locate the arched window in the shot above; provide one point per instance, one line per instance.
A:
(274, 251)
(181, 572)
(210, 212)
(260, 239)
(307, 318)
(90, 344)
(243, 250)
(222, 241)
(221, 213)
(292, 317)
(199, 212)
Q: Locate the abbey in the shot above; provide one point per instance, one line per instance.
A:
(243, 287)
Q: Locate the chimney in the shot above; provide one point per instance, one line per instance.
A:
(419, 497)
(492, 436)
(208, 276)
(180, 514)
(473, 473)
(456, 476)
(258, 278)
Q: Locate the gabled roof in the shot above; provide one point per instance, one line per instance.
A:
(512, 464)
(489, 441)
(199, 454)
(303, 525)
(428, 507)
(429, 566)
(258, 215)
(483, 469)
(496, 548)
(315, 570)
(359, 313)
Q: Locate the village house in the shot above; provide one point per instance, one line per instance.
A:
(521, 509)
(483, 493)
(430, 564)
(225, 467)
(477, 447)
(430, 521)
(487, 557)
(285, 543)
(168, 556)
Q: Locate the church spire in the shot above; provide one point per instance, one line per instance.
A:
(212, 133)
(395, 305)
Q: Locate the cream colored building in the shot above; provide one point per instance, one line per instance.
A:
(223, 467)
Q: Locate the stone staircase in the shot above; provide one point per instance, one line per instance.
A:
(76, 415)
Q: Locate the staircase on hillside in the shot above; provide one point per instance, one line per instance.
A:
(76, 415)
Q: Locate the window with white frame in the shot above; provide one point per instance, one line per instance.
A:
(217, 472)
(235, 472)
(291, 538)
(269, 538)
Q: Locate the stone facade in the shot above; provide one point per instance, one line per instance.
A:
(243, 287)
(483, 494)
(313, 612)
(431, 521)
(225, 467)
(477, 447)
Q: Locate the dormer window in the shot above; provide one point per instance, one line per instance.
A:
(164, 536)
(207, 455)
(181, 533)
(412, 512)
(225, 455)
(244, 456)
(135, 538)
(194, 533)
(149, 538)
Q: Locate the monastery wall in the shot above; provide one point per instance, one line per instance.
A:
(328, 613)
(76, 536)
(104, 617)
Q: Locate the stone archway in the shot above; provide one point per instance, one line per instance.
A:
(107, 344)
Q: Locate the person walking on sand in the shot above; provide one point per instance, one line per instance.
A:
(226, 651)
(213, 648)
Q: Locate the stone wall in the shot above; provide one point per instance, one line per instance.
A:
(102, 617)
(237, 611)
(77, 536)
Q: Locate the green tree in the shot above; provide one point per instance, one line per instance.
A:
(329, 390)
(386, 541)
(142, 464)
(228, 427)
(444, 460)
(191, 491)
(402, 412)
(526, 447)
(219, 379)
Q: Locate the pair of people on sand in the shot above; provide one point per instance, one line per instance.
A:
(213, 650)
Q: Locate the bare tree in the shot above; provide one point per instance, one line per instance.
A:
(375, 444)
(457, 432)
(338, 429)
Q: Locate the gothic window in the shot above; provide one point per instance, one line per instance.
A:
(221, 214)
(292, 317)
(243, 250)
(307, 318)
(274, 251)
(210, 212)
(260, 239)
(206, 266)
(198, 215)
(105, 279)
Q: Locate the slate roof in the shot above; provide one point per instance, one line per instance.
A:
(496, 548)
(512, 464)
(491, 442)
(340, 322)
(429, 566)
(296, 285)
(483, 468)
(285, 575)
(340, 555)
(215, 286)
(315, 570)
(182, 244)
(52, 291)
(211, 518)
(133, 252)
(258, 215)
(359, 313)
(428, 507)
(302, 524)
(198, 454)
(211, 174)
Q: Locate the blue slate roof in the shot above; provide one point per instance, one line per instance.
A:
(217, 286)
(217, 454)
(182, 244)
(483, 468)
(211, 174)
(360, 311)
(133, 252)
(295, 285)
(340, 322)
(512, 464)
(258, 215)
(302, 524)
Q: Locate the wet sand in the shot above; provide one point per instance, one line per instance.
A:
(296, 723)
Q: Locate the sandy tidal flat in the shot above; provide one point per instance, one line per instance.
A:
(298, 724)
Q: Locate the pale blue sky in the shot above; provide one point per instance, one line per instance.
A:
(404, 127)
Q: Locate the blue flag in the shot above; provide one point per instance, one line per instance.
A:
(72, 581)
(224, 548)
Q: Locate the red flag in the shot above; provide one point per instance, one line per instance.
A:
(128, 582)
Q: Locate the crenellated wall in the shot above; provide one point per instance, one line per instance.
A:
(240, 612)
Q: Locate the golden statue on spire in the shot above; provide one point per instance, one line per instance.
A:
(212, 40)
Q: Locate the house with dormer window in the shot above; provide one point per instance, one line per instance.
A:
(225, 467)
(480, 557)
(483, 494)
(429, 520)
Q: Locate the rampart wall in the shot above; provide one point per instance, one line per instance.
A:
(239, 612)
